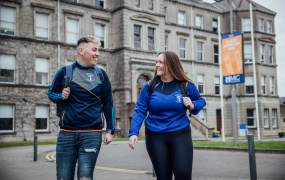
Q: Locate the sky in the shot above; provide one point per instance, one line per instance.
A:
(278, 7)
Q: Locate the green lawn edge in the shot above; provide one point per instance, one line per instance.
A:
(270, 145)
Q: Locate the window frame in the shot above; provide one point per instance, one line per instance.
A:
(13, 120)
(217, 85)
(66, 30)
(201, 21)
(140, 36)
(215, 29)
(203, 112)
(165, 14)
(274, 118)
(138, 3)
(98, 37)
(247, 85)
(14, 79)
(261, 24)
(269, 28)
(14, 23)
(47, 118)
(48, 73)
(153, 6)
(263, 85)
(272, 85)
(249, 117)
(166, 43)
(200, 52)
(216, 54)
(48, 26)
(246, 26)
(247, 61)
(262, 53)
(181, 49)
(201, 83)
(270, 54)
(266, 118)
(148, 40)
(184, 18)
(104, 3)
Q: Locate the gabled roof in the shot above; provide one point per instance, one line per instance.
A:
(241, 5)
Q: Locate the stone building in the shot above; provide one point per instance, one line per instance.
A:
(38, 37)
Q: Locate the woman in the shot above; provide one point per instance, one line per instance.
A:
(167, 132)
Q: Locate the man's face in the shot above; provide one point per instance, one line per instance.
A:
(90, 53)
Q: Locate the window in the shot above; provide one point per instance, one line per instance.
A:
(249, 85)
(246, 24)
(199, 51)
(271, 85)
(8, 19)
(260, 25)
(7, 68)
(263, 86)
(100, 3)
(118, 122)
(6, 118)
(42, 69)
(181, 18)
(247, 53)
(166, 43)
(216, 54)
(137, 3)
(201, 86)
(270, 54)
(150, 39)
(42, 118)
(182, 48)
(261, 55)
(251, 121)
(202, 115)
(217, 85)
(165, 14)
(142, 80)
(71, 31)
(215, 25)
(274, 118)
(265, 118)
(199, 22)
(100, 34)
(150, 5)
(137, 37)
(42, 26)
(269, 26)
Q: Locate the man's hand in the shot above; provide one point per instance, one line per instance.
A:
(108, 138)
(65, 93)
(133, 140)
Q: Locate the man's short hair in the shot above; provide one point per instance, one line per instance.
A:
(87, 39)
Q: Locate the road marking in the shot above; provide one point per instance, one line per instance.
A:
(51, 157)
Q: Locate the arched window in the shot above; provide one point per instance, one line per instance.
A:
(141, 82)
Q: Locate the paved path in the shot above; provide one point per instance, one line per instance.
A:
(117, 161)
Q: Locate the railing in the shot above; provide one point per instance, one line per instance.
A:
(201, 126)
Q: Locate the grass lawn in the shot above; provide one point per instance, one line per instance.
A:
(228, 144)
(242, 144)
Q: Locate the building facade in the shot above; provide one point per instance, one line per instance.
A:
(39, 37)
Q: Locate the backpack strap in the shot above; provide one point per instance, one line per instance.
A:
(99, 73)
(183, 87)
(68, 75)
(152, 84)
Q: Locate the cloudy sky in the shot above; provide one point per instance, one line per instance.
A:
(278, 7)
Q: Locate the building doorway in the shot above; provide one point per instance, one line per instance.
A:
(219, 124)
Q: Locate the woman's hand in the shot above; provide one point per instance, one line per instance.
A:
(187, 102)
(133, 140)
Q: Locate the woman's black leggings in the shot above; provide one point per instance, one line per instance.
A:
(171, 152)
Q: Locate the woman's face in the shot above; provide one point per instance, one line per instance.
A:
(161, 68)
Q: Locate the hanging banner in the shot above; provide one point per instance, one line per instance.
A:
(232, 58)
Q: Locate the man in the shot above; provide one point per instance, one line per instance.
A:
(84, 101)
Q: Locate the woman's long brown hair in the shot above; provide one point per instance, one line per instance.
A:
(172, 61)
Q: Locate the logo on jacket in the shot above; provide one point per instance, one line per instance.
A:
(179, 98)
(90, 77)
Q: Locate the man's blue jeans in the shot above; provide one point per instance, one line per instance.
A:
(73, 146)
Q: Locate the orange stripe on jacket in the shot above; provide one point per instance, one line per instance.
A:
(88, 90)
(62, 117)
(79, 130)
